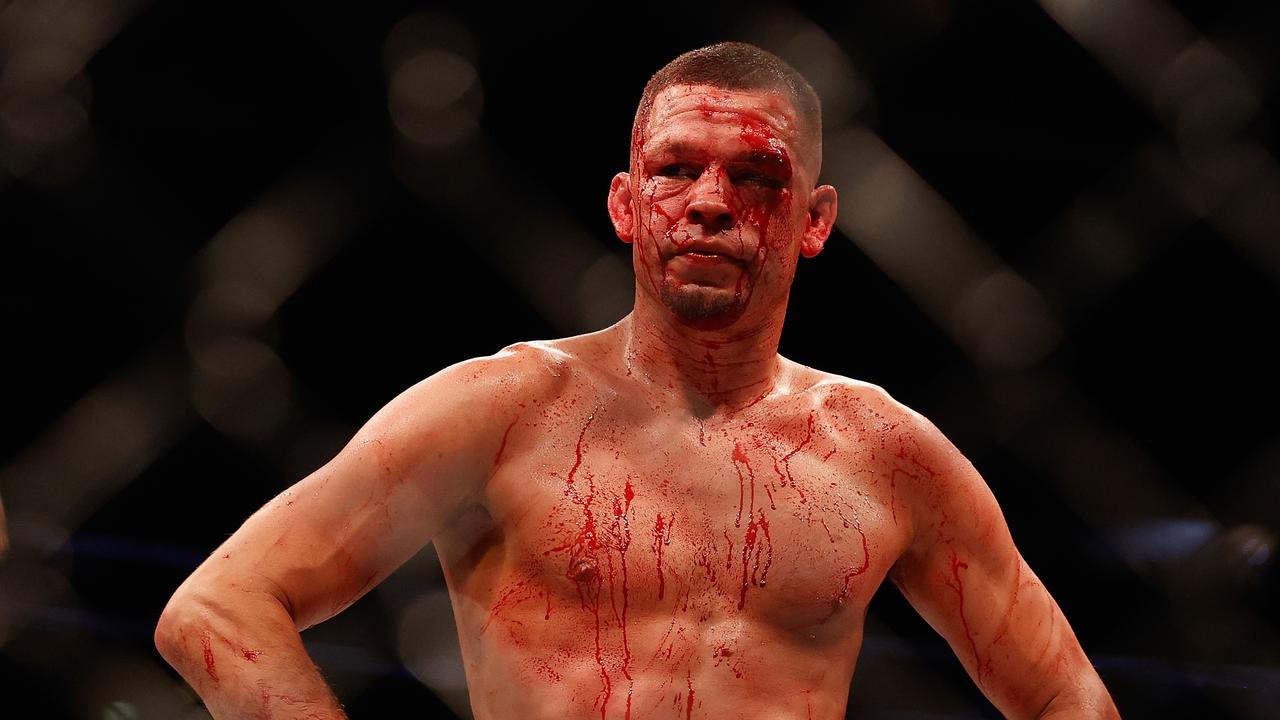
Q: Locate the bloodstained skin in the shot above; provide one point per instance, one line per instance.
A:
(755, 210)
(757, 135)
(958, 586)
(741, 457)
(584, 564)
(688, 713)
(622, 514)
(209, 665)
(749, 545)
(661, 538)
(498, 456)
(908, 451)
(589, 546)
(786, 458)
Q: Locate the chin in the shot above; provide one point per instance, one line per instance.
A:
(703, 307)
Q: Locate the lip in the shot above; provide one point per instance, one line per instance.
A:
(706, 258)
(707, 250)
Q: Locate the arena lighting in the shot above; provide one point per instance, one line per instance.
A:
(427, 639)
(247, 270)
(443, 158)
(1205, 98)
(434, 93)
(45, 96)
(917, 239)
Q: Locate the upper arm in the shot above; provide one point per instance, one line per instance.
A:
(412, 469)
(964, 575)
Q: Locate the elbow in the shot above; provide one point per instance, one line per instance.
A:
(190, 608)
(200, 607)
(169, 633)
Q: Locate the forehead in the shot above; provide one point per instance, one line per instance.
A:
(681, 111)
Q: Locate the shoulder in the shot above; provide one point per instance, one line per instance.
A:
(516, 373)
(852, 402)
(465, 403)
(870, 416)
(931, 479)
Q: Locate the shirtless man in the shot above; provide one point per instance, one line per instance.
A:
(662, 519)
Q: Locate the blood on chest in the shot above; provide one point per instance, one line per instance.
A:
(604, 530)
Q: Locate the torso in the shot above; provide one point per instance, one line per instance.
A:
(625, 562)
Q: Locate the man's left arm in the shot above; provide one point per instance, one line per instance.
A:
(966, 578)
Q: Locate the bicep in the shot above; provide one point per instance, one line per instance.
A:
(966, 578)
(405, 475)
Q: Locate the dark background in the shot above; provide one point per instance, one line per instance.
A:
(232, 231)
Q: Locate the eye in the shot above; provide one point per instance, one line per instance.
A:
(679, 170)
(755, 178)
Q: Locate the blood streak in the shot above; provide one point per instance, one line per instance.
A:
(584, 566)
(622, 513)
(498, 456)
(209, 665)
(958, 586)
(854, 572)
(786, 459)
(893, 492)
(1013, 601)
(759, 137)
(250, 655)
(497, 607)
(688, 712)
(830, 537)
(741, 457)
(750, 548)
(1048, 638)
(569, 487)
(661, 538)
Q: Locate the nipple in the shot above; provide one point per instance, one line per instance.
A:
(584, 570)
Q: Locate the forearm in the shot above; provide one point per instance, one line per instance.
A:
(245, 660)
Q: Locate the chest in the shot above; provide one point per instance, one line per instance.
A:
(781, 519)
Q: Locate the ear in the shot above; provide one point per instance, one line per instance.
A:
(822, 217)
(620, 210)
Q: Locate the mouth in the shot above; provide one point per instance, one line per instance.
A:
(707, 258)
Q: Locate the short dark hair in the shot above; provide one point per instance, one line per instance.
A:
(735, 66)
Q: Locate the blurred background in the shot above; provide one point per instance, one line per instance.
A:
(231, 231)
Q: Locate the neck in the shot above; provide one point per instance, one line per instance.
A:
(708, 370)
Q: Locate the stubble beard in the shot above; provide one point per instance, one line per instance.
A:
(698, 303)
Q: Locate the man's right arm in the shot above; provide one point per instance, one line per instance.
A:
(232, 628)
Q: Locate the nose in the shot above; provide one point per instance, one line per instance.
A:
(709, 204)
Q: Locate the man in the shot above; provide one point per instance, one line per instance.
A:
(662, 519)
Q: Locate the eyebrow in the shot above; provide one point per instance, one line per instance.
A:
(680, 147)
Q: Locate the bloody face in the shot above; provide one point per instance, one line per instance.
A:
(715, 174)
